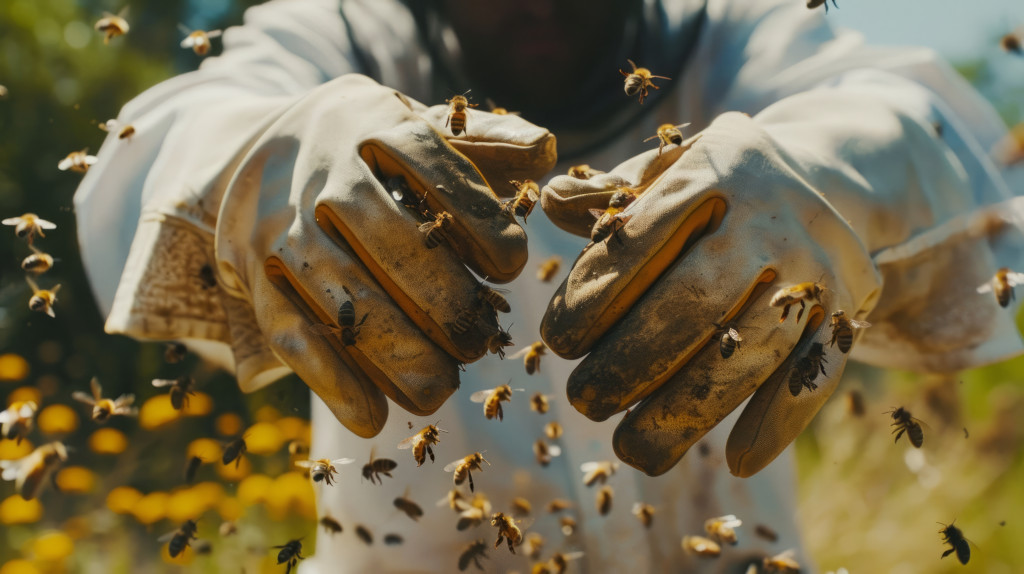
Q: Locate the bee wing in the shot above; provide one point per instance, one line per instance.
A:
(859, 324)
(985, 287)
(410, 442)
(11, 221)
(735, 335)
(7, 416)
(96, 388)
(573, 555)
(184, 29)
(89, 160)
(481, 396)
(590, 466)
(160, 383)
(213, 33)
(124, 400)
(9, 473)
(63, 165)
(83, 397)
(450, 467)
(554, 450)
(167, 537)
(1014, 278)
(789, 555)
(425, 227)
(323, 329)
(521, 352)
(188, 42)
(343, 461)
(305, 463)
(533, 194)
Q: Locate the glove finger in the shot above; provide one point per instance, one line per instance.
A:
(431, 286)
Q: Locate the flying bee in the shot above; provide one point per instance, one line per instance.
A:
(497, 342)
(855, 403)
(464, 467)
(531, 356)
(508, 530)
(533, 544)
(198, 40)
(181, 389)
(298, 448)
(472, 554)
(558, 505)
(723, 528)
(180, 538)
(112, 25)
(701, 546)
(175, 353)
(540, 403)
(203, 547)
(1011, 43)
(521, 507)
(639, 80)
(559, 561)
(378, 466)
(1001, 284)
(583, 171)
(766, 532)
(553, 430)
(103, 409)
(28, 225)
(492, 399)
(472, 511)
(233, 451)
(527, 194)
(123, 132)
(434, 231)
(77, 161)
(545, 452)
(644, 513)
(788, 296)
(330, 524)
(290, 554)
(421, 443)
(603, 499)
(784, 562)
(457, 113)
(905, 423)
(364, 534)
(393, 539)
(17, 420)
(498, 110)
(598, 472)
(668, 134)
(729, 341)
(812, 4)
(957, 543)
(42, 300)
(807, 369)
(191, 467)
(33, 471)
(842, 330)
(567, 525)
(323, 469)
(493, 297)
(410, 508)
(37, 263)
(547, 270)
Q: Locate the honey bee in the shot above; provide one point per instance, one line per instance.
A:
(547, 270)
(434, 231)
(233, 451)
(496, 343)
(583, 171)
(855, 403)
(464, 467)
(198, 40)
(842, 330)
(807, 369)
(701, 546)
(784, 562)
(112, 26)
(527, 194)
(17, 420)
(1011, 43)
(1002, 285)
(77, 161)
(639, 80)
(905, 423)
(521, 507)
(191, 468)
(347, 328)
(472, 511)
(472, 554)
(558, 505)
(323, 469)
(493, 296)
(812, 4)
(957, 543)
(567, 525)
(421, 443)
(800, 293)
(203, 547)
(126, 131)
(298, 448)
(33, 471)
(492, 399)
(604, 500)
(180, 538)
(464, 321)
(175, 353)
(766, 532)
(364, 534)
(457, 113)
(42, 300)
(330, 524)
(545, 452)
(38, 262)
(181, 389)
(393, 539)
(540, 403)
(28, 225)
(378, 466)
(668, 134)
(610, 220)
(730, 341)
(559, 562)
(290, 554)
(723, 528)
(552, 430)
(598, 472)
(644, 513)
(533, 544)
(508, 530)
(410, 508)
(531, 356)
(227, 528)
(103, 409)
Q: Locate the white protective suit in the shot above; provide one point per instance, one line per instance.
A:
(735, 55)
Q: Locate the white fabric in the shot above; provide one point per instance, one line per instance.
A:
(750, 55)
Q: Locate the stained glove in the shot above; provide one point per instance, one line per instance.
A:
(718, 227)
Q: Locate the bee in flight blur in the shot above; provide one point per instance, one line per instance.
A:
(408, 506)
(197, 40)
(291, 553)
(800, 293)
(842, 330)
(583, 171)
(181, 389)
(1012, 43)
(464, 467)
(807, 368)
(544, 452)
(508, 530)
(497, 342)
(957, 543)
(701, 546)
(373, 470)
(552, 430)
(330, 524)
(604, 498)
(112, 25)
(527, 194)
(610, 220)
(28, 225)
(472, 511)
(364, 534)
(33, 471)
(77, 161)
(729, 341)
(421, 443)
(42, 300)
(547, 270)
(540, 403)
(668, 134)
(38, 262)
(323, 469)
(191, 467)
(17, 420)
(639, 80)
(598, 471)
(123, 132)
(180, 538)
(103, 409)
(472, 554)
(559, 562)
(905, 423)
(492, 399)
(347, 328)
(531, 356)
(434, 231)
(233, 451)
(784, 562)
(493, 296)
(1001, 284)
(723, 528)
(457, 113)
(644, 513)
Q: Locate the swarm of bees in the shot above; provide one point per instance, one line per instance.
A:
(723, 528)
(582, 171)
(233, 451)
(603, 500)
(1011, 43)
(598, 472)
(644, 513)
(434, 232)
(28, 225)
(330, 524)
(103, 408)
(472, 554)
(905, 423)
(784, 562)
(123, 132)
(422, 442)
(496, 343)
(700, 546)
(668, 134)
(540, 403)
(457, 106)
(492, 399)
(38, 262)
(545, 452)
(728, 341)
(493, 297)
(42, 300)
(347, 328)
(323, 469)
(410, 508)
(639, 80)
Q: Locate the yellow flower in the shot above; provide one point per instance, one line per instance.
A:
(18, 566)
(16, 510)
(75, 480)
(11, 450)
(263, 438)
(199, 404)
(25, 394)
(57, 419)
(291, 492)
(107, 440)
(235, 471)
(122, 499)
(52, 546)
(13, 367)
(294, 428)
(231, 508)
(157, 412)
(151, 508)
(267, 414)
(185, 505)
(229, 424)
(205, 448)
(254, 488)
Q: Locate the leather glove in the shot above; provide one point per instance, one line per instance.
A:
(718, 227)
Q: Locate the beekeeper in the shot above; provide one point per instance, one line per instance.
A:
(809, 158)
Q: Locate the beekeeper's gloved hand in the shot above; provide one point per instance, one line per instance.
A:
(720, 225)
(307, 223)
